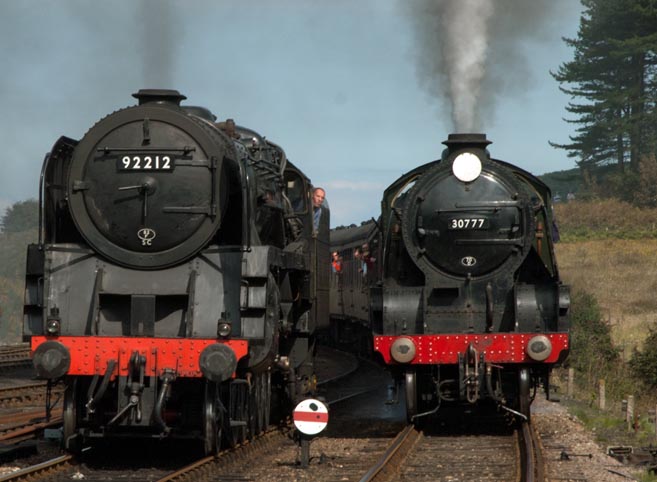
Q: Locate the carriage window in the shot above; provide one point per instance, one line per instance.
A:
(295, 191)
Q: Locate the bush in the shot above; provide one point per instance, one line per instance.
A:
(646, 193)
(644, 363)
(592, 352)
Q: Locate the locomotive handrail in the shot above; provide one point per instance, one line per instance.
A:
(487, 203)
(518, 241)
(213, 186)
(482, 205)
(246, 206)
(46, 161)
(188, 209)
(146, 149)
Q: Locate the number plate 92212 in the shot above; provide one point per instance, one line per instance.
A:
(146, 162)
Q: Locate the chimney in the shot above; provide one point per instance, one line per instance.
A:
(159, 96)
(457, 142)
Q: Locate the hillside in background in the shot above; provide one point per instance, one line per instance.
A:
(604, 219)
(602, 181)
(563, 182)
(608, 248)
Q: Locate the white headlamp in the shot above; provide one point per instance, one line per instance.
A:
(466, 167)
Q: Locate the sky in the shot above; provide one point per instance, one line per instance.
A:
(357, 92)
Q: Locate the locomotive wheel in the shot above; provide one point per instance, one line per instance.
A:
(523, 392)
(259, 404)
(237, 426)
(70, 415)
(212, 419)
(411, 395)
(262, 406)
(266, 398)
(254, 404)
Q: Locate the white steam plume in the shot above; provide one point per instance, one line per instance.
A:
(465, 33)
(472, 52)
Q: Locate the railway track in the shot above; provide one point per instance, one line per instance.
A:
(43, 471)
(228, 464)
(23, 417)
(206, 469)
(412, 455)
(415, 455)
(94, 470)
(27, 394)
(12, 356)
(21, 426)
(212, 468)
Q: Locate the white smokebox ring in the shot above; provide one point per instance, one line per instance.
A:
(466, 167)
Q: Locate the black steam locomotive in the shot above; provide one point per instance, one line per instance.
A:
(178, 280)
(457, 282)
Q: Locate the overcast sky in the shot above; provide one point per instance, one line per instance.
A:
(351, 89)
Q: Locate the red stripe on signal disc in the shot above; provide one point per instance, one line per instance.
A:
(311, 417)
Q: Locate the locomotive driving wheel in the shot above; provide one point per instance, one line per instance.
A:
(70, 414)
(262, 402)
(524, 399)
(266, 396)
(254, 406)
(237, 422)
(410, 380)
(212, 419)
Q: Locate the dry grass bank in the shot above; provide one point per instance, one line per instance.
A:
(622, 275)
(604, 219)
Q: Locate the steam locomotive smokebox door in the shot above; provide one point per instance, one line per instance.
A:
(478, 228)
(146, 186)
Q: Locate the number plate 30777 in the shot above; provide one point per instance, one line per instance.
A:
(467, 223)
(145, 162)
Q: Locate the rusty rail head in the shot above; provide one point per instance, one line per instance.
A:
(40, 471)
(532, 463)
(396, 452)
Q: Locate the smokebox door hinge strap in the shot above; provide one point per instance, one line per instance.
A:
(146, 131)
(191, 299)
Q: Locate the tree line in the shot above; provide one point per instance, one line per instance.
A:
(612, 81)
(18, 229)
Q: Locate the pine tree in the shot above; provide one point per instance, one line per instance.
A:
(613, 77)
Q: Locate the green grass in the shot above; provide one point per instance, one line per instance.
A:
(610, 428)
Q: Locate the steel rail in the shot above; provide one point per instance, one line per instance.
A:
(395, 453)
(22, 388)
(40, 471)
(31, 429)
(261, 442)
(532, 464)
